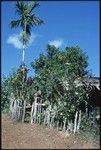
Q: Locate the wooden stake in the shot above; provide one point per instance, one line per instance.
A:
(32, 109)
(35, 110)
(64, 125)
(75, 122)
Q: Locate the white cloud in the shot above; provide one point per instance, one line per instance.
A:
(56, 43)
(15, 40)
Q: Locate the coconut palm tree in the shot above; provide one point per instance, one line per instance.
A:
(27, 19)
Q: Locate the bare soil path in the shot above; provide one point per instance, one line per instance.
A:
(27, 136)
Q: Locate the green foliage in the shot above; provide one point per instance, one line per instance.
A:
(51, 51)
(56, 68)
(39, 63)
(13, 84)
(16, 80)
(5, 93)
(78, 60)
(88, 130)
(57, 76)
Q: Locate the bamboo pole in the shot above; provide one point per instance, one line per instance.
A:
(64, 124)
(32, 109)
(37, 115)
(18, 110)
(14, 111)
(45, 117)
(35, 110)
(75, 122)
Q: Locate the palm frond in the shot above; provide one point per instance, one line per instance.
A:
(20, 7)
(15, 23)
(36, 20)
(32, 6)
(26, 20)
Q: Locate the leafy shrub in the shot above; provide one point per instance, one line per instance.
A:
(89, 130)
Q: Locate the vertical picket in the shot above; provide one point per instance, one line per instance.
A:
(75, 122)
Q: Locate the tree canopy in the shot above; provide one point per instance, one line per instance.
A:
(60, 74)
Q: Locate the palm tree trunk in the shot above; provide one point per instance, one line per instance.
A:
(23, 54)
(23, 60)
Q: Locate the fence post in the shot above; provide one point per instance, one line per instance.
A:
(32, 109)
(64, 124)
(75, 122)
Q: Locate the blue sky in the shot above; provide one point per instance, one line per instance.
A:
(66, 24)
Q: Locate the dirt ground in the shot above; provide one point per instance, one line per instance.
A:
(27, 136)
